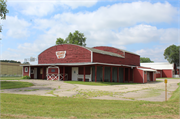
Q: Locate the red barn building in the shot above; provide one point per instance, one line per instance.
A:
(99, 64)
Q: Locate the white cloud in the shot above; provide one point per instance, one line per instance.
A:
(17, 28)
(114, 25)
(155, 54)
(44, 7)
(121, 15)
(77, 3)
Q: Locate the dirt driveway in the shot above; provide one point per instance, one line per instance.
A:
(153, 91)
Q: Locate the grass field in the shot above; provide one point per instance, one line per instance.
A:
(14, 84)
(167, 78)
(30, 106)
(11, 78)
(97, 83)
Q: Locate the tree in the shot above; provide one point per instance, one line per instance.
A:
(60, 41)
(75, 38)
(3, 10)
(171, 53)
(10, 61)
(145, 60)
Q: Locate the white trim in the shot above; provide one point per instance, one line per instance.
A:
(147, 69)
(26, 69)
(80, 64)
(91, 56)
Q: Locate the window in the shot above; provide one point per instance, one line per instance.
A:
(26, 69)
(145, 72)
(52, 70)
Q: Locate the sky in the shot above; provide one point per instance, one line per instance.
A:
(145, 27)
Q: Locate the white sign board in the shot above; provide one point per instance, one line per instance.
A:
(60, 54)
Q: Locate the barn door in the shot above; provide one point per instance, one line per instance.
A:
(75, 73)
(148, 76)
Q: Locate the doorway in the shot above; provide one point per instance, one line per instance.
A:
(75, 73)
(35, 73)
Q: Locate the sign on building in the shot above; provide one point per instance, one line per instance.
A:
(60, 54)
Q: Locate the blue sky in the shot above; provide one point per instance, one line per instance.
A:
(145, 27)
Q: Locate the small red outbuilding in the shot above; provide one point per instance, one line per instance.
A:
(77, 63)
(164, 69)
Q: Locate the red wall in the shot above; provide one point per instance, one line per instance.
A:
(158, 75)
(138, 75)
(167, 73)
(74, 54)
(154, 77)
(130, 59)
(25, 73)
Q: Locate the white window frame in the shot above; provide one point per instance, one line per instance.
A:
(26, 69)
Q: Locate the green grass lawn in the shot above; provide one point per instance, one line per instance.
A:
(10, 78)
(14, 84)
(97, 83)
(31, 106)
(167, 78)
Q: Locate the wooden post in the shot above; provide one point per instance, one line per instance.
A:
(84, 73)
(103, 73)
(165, 81)
(64, 73)
(124, 75)
(117, 74)
(111, 74)
(95, 73)
(42, 72)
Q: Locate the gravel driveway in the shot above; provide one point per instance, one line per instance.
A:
(153, 91)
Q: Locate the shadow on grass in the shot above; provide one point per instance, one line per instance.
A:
(98, 83)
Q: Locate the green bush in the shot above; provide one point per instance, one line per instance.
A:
(26, 77)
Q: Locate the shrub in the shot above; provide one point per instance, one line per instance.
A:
(26, 77)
